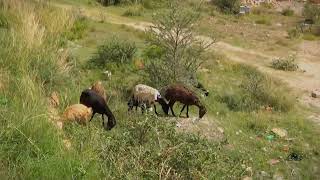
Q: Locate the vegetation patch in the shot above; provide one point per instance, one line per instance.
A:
(114, 50)
(285, 64)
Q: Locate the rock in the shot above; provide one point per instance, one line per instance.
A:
(273, 161)
(279, 24)
(280, 132)
(315, 93)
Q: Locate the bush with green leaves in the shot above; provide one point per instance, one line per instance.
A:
(285, 64)
(312, 11)
(174, 53)
(228, 6)
(114, 50)
(287, 12)
(256, 90)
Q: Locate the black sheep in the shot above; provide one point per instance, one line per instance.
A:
(91, 99)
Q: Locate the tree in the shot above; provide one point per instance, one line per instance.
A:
(174, 53)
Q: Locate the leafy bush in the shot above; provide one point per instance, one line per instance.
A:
(256, 90)
(114, 51)
(285, 64)
(228, 6)
(287, 12)
(312, 11)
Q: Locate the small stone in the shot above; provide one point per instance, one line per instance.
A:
(280, 132)
(274, 161)
(315, 93)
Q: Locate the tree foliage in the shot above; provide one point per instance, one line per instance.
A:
(175, 53)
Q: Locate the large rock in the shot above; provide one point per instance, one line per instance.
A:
(280, 132)
(315, 93)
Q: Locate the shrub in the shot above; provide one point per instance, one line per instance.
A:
(228, 6)
(114, 51)
(287, 64)
(287, 12)
(256, 90)
(312, 11)
(133, 11)
(294, 33)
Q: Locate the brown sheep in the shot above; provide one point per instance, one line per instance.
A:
(182, 94)
(77, 112)
(99, 89)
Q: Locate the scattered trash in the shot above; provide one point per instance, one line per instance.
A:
(178, 125)
(315, 93)
(290, 139)
(273, 161)
(270, 137)
(294, 157)
(280, 132)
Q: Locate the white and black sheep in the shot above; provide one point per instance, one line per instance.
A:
(145, 96)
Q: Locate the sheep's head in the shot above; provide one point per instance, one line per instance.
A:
(111, 123)
(164, 105)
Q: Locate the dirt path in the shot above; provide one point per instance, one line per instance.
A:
(308, 56)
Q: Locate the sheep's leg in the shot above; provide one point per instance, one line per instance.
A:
(102, 120)
(92, 116)
(182, 109)
(155, 109)
(171, 103)
(187, 111)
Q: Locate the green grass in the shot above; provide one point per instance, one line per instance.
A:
(140, 146)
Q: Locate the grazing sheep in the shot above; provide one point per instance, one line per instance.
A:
(77, 112)
(99, 89)
(91, 99)
(145, 96)
(178, 92)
